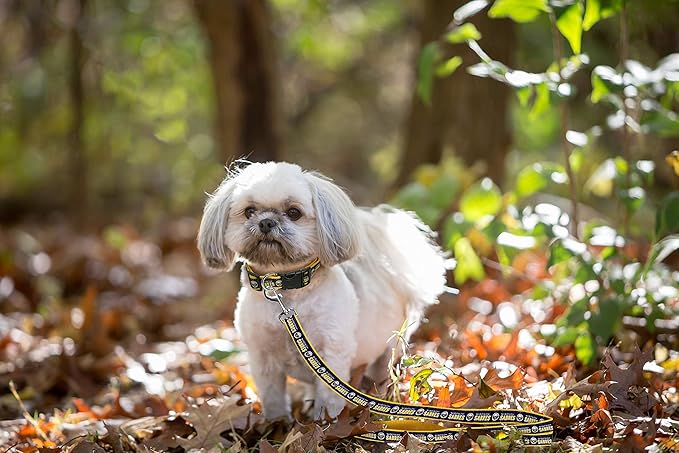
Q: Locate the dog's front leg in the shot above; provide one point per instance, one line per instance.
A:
(326, 400)
(270, 379)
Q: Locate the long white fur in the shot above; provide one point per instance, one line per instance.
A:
(379, 268)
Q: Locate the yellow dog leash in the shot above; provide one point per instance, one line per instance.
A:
(535, 429)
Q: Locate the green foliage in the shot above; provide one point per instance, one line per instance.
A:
(425, 70)
(667, 215)
(539, 176)
(463, 33)
(569, 23)
(449, 66)
(481, 199)
(519, 10)
(600, 9)
(468, 262)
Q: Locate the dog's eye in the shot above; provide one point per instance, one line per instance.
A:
(293, 214)
(249, 211)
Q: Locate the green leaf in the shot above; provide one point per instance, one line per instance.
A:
(664, 248)
(415, 361)
(411, 196)
(537, 176)
(542, 101)
(524, 94)
(448, 67)
(443, 190)
(598, 10)
(576, 159)
(518, 10)
(419, 384)
(605, 81)
(667, 216)
(575, 314)
(567, 337)
(564, 249)
(569, 24)
(425, 71)
(660, 121)
(468, 263)
(481, 199)
(633, 198)
(485, 390)
(463, 33)
(455, 227)
(585, 348)
(605, 321)
(172, 131)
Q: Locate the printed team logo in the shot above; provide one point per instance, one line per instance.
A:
(335, 383)
(519, 417)
(308, 353)
(534, 428)
(381, 435)
(393, 409)
(420, 411)
(495, 417)
(322, 370)
(351, 395)
(297, 334)
(470, 417)
(444, 414)
(371, 404)
(430, 437)
(533, 440)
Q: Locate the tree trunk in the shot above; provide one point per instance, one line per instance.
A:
(467, 113)
(77, 161)
(245, 74)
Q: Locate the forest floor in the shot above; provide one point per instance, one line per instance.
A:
(123, 342)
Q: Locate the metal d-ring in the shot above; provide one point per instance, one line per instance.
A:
(269, 290)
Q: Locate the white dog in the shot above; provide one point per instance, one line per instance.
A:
(378, 268)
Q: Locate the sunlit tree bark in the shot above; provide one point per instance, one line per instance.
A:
(246, 81)
(467, 113)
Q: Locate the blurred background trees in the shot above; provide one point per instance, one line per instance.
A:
(128, 110)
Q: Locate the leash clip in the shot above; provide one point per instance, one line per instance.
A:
(270, 292)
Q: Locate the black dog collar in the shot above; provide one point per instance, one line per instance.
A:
(284, 280)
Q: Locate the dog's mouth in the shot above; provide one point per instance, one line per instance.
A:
(269, 243)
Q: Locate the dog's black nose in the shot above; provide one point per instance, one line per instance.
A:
(266, 225)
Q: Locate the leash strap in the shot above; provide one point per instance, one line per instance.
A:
(535, 429)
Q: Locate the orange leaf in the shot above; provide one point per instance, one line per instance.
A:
(461, 391)
(443, 397)
(513, 381)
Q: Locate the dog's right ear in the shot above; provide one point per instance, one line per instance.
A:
(212, 233)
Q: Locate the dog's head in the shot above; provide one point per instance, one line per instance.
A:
(277, 214)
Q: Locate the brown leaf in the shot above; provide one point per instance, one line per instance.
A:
(113, 438)
(628, 388)
(266, 447)
(461, 391)
(410, 444)
(347, 424)
(477, 401)
(513, 381)
(212, 418)
(86, 446)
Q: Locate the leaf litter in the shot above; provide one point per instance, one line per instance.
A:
(110, 345)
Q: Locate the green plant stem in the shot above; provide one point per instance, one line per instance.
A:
(565, 146)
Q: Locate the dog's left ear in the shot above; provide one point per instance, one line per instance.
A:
(336, 221)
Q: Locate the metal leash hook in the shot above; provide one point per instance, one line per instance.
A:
(270, 292)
